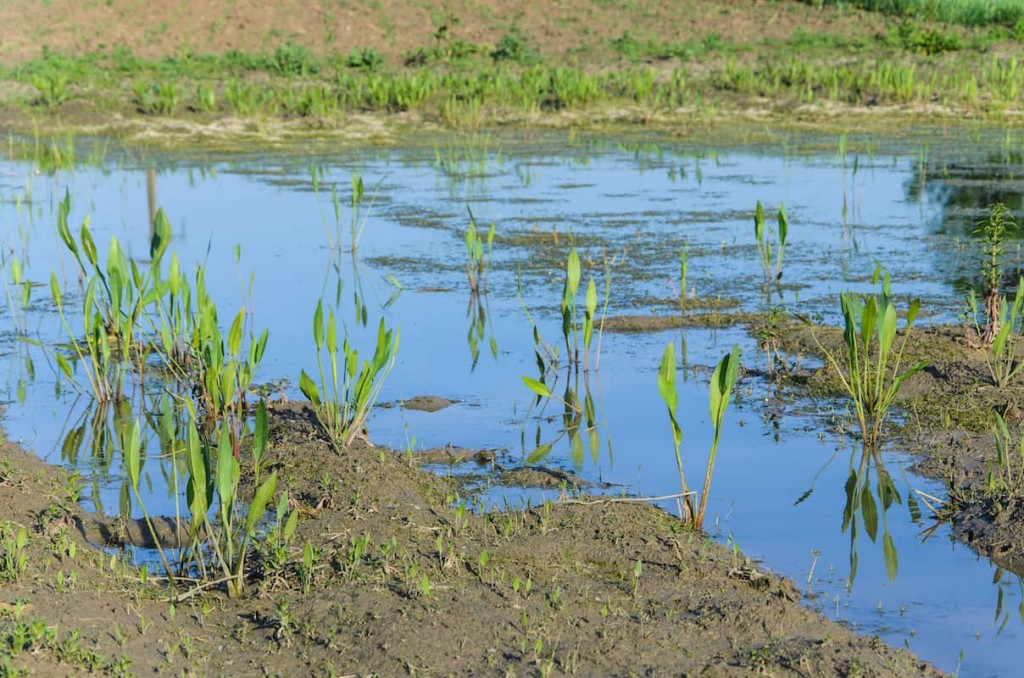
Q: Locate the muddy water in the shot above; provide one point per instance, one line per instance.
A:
(785, 464)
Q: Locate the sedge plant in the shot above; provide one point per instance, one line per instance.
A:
(723, 379)
(871, 370)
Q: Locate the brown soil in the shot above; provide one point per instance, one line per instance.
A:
(578, 31)
(557, 590)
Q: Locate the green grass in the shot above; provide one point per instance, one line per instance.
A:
(963, 12)
(470, 85)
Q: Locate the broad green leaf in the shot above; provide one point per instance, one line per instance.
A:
(131, 453)
(539, 453)
(64, 366)
(308, 388)
(722, 381)
(576, 448)
(63, 211)
(667, 378)
(869, 512)
(318, 325)
(867, 321)
(783, 225)
(332, 333)
(758, 222)
(88, 245)
(55, 291)
(161, 236)
(572, 274)
(235, 333)
(537, 387)
(289, 527)
(915, 306)
(225, 471)
(892, 560)
(260, 432)
(259, 502)
(591, 297)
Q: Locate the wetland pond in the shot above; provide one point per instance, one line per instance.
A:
(277, 229)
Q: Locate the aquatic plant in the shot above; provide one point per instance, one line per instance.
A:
(114, 303)
(478, 251)
(723, 379)
(771, 265)
(348, 389)
(213, 482)
(1001, 357)
(870, 371)
(571, 327)
(993, 231)
(1006, 477)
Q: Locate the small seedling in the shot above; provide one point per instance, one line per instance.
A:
(722, 382)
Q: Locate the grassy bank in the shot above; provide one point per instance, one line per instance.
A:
(917, 64)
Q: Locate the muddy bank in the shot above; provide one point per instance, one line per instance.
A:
(947, 418)
(404, 579)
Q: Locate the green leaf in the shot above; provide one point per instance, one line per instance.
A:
(572, 274)
(161, 236)
(88, 245)
(667, 378)
(869, 512)
(537, 387)
(309, 389)
(235, 333)
(539, 453)
(783, 225)
(722, 381)
(64, 366)
(892, 560)
(131, 451)
(758, 222)
(259, 502)
(289, 527)
(591, 298)
(226, 471)
(63, 211)
(915, 306)
(332, 333)
(318, 325)
(260, 432)
(576, 448)
(55, 290)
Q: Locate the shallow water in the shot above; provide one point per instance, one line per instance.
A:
(631, 207)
